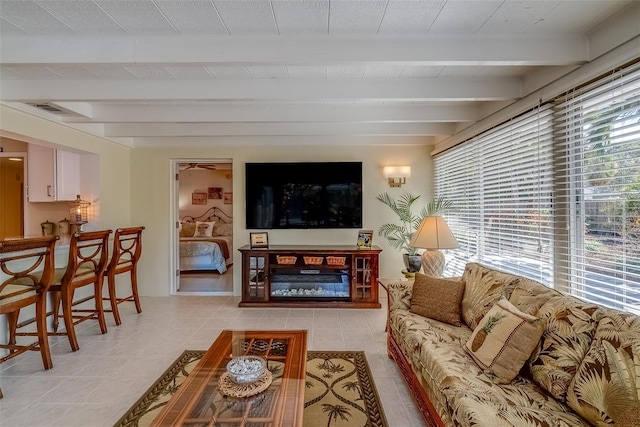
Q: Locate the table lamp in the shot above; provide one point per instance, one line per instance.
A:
(433, 234)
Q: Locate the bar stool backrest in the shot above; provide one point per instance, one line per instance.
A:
(127, 248)
(28, 262)
(88, 255)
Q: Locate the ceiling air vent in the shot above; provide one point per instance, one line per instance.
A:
(49, 108)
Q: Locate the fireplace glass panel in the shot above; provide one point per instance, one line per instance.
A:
(311, 284)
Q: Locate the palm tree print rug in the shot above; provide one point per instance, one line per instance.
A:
(339, 391)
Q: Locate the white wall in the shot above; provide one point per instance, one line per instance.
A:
(199, 180)
(151, 181)
(108, 171)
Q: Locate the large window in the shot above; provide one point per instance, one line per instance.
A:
(500, 184)
(561, 207)
(598, 173)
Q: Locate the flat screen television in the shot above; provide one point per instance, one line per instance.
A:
(304, 195)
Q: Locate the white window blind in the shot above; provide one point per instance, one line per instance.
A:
(597, 166)
(500, 184)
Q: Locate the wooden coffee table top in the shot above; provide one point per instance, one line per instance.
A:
(199, 402)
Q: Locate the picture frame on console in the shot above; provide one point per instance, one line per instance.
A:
(365, 239)
(259, 240)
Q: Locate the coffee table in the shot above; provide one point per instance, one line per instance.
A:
(199, 402)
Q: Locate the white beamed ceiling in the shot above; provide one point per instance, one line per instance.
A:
(205, 72)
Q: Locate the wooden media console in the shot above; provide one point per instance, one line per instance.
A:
(310, 276)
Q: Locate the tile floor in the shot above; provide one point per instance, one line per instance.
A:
(97, 384)
(207, 282)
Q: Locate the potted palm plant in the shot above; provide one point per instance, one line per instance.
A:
(399, 235)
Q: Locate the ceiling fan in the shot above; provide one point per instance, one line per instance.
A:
(187, 166)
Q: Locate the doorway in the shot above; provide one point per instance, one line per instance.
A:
(205, 227)
(12, 197)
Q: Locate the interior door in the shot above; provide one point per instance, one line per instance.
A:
(12, 170)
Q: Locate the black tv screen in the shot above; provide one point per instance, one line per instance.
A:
(304, 195)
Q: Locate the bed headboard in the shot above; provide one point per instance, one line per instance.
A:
(212, 214)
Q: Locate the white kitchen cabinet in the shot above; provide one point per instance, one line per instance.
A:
(53, 175)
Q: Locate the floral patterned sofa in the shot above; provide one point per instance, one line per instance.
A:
(584, 370)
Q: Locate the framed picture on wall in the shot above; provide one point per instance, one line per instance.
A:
(198, 198)
(214, 192)
(228, 198)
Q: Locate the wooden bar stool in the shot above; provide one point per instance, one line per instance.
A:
(27, 267)
(88, 253)
(127, 248)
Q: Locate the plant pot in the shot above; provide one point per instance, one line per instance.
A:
(412, 262)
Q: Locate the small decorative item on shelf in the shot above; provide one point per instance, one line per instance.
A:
(365, 238)
(336, 260)
(286, 260)
(259, 240)
(313, 260)
(64, 228)
(246, 369)
(47, 228)
(78, 210)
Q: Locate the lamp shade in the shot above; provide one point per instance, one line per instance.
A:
(78, 211)
(434, 233)
(396, 171)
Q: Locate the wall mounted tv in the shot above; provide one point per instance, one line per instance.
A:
(304, 195)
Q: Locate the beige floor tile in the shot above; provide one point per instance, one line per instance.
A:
(72, 390)
(41, 415)
(98, 383)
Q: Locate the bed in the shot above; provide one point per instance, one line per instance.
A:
(206, 242)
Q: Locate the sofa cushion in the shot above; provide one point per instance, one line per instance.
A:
(460, 391)
(484, 287)
(438, 298)
(503, 341)
(528, 295)
(476, 401)
(606, 387)
(570, 325)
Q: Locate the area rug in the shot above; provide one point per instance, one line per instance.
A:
(339, 391)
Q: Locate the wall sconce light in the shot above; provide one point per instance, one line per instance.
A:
(397, 175)
(78, 212)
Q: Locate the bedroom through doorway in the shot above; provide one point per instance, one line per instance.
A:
(205, 209)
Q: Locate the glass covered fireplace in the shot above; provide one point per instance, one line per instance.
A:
(309, 283)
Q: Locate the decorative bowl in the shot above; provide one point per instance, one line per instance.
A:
(246, 369)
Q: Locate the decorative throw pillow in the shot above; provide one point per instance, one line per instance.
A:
(484, 287)
(437, 298)
(204, 229)
(605, 390)
(187, 229)
(503, 341)
(223, 229)
(528, 295)
(570, 325)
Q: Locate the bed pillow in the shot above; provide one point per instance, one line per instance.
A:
(204, 229)
(223, 229)
(437, 298)
(187, 229)
(503, 341)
